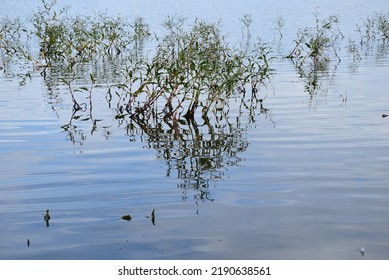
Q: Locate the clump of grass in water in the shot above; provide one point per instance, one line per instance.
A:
(314, 43)
(374, 34)
(11, 34)
(67, 43)
(68, 40)
(280, 25)
(13, 41)
(312, 51)
(78, 39)
(375, 27)
(191, 70)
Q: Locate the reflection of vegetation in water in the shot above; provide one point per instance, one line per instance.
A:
(178, 97)
(311, 54)
(374, 28)
(374, 38)
(314, 43)
(317, 77)
(58, 40)
(198, 151)
(72, 40)
(191, 70)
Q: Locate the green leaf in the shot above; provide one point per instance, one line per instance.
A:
(92, 77)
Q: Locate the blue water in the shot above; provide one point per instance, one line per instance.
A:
(305, 179)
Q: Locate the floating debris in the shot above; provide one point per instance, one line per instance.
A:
(361, 251)
(153, 217)
(127, 217)
(47, 218)
(384, 115)
(28, 242)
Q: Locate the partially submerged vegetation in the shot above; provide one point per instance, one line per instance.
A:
(315, 43)
(375, 27)
(189, 70)
(180, 90)
(373, 37)
(314, 49)
(192, 68)
(69, 40)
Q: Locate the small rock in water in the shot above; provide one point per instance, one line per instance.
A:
(127, 217)
(47, 218)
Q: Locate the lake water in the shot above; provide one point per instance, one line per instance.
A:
(305, 176)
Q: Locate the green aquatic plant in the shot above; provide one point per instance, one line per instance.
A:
(14, 47)
(65, 41)
(11, 37)
(314, 49)
(179, 94)
(280, 25)
(72, 40)
(383, 25)
(354, 49)
(374, 35)
(52, 30)
(191, 70)
(247, 21)
(313, 44)
(374, 27)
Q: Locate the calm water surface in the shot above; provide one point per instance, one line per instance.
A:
(304, 177)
